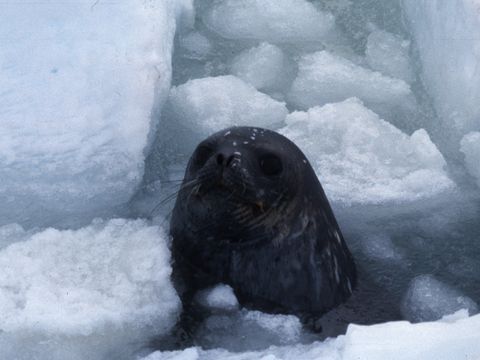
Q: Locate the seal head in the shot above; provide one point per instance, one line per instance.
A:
(251, 213)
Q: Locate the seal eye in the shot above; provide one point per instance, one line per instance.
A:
(271, 164)
(202, 154)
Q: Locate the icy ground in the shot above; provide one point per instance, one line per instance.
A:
(102, 102)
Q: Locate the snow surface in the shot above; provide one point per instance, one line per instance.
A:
(79, 82)
(470, 146)
(275, 21)
(324, 77)
(447, 35)
(361, 158)
(395, 340)
(86, 293)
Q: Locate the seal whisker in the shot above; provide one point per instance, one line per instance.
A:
(172, 195)
(194, 191)
(255, 222)
(173, 182)
(170, 181)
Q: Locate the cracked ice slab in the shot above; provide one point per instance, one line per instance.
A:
(361, 158)
(79, 82)
(101, 290)
(447, 35)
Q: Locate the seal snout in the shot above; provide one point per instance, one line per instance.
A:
(221, 169)
(228, 158)
(224, 160)
(229, 164)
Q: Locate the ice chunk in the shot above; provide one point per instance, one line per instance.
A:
(381, 247)
(221, 297)
(324, 78)
(207, 105)
(394, 340)
(288, 326)
(429, 299)
(361, 158)
(264, 66)
(249, 330)
(447, 34)
(470, 146)
(458, 315)
(103, 289)
(389, 54)
(77, 94)
(196, 44)
(275, 21)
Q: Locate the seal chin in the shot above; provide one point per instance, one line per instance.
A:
(243, 201)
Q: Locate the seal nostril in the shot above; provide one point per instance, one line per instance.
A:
(229, 160)
(225, 161)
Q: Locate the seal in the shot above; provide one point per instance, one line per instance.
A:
(251, 213)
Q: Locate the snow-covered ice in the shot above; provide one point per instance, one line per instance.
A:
(210, 104)
(470, 146)
(324, 78)
(389, 54)
(99, 291)
(429, 299)
(79, 83)
(361, 158)
(447, 35)
(204, 106)
(275, 21)
(264, 66)
(404, 341)
(396, 340)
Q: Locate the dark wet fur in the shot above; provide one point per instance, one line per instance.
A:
(273, 238)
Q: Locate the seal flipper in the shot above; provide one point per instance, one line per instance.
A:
(192, 316)
(311, 323)
(182, 335)
(186, 283)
